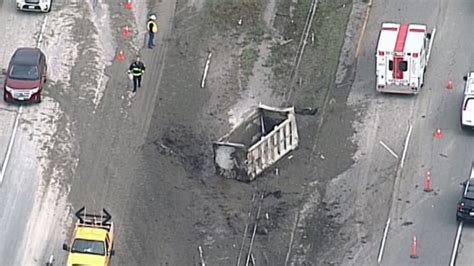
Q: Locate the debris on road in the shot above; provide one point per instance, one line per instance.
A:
(258, 142)
(388, 149)
(306, 111)
(203, 263)
(206, 70)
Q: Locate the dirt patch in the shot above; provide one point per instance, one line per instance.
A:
(254, 44)
(224, 14)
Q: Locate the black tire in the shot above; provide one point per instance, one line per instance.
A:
(50, 5)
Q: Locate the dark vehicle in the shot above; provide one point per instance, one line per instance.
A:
(465, 210)
(25, 76)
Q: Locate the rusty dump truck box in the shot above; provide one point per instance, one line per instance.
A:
(263, 138)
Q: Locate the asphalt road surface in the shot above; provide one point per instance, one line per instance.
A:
(23, 190)
(428, 216)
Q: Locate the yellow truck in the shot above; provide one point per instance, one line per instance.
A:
(92, 241)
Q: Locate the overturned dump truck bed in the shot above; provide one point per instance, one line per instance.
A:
(263, 138)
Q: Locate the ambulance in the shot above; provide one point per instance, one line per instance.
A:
(467, 111)
(402, 56)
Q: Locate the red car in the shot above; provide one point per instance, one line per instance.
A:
(25, 76)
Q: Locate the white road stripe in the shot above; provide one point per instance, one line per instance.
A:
(388, 149)
(431, 46)
(382, 246)
(43, 27)
(406, 147)
(10, 145)
(18, 115)
(456, 245)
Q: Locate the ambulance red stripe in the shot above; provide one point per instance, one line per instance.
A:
(401, 38)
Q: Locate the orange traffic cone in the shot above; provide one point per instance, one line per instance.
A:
(120, 55)
(128, 5)
(450, 85)
(413, 248)
(428, 182)
(125, 32)
(438, 134)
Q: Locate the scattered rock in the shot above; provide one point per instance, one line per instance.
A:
(262, 230)
(276, 194)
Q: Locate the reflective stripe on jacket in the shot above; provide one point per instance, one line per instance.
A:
(137, 69)
(151, 26)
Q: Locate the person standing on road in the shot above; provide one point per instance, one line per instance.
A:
(152, 28)
(136, 69)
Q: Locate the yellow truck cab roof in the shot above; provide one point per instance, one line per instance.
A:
(91, 233)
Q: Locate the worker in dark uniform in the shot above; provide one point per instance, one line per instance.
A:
(136, 69)
(152, 28)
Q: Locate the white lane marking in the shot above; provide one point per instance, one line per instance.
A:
(43, 27)
(431, 46)
(456, 245)
(406, 147)
(388, 149)
(18, 115)
(206, 69)
(10, 145)
(382, 246)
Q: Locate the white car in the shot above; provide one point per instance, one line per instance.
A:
(467, 111)
(34, 5)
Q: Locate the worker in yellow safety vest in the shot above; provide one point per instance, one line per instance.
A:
(152, 28)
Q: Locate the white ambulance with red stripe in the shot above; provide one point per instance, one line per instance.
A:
(402, 56)
(467, 112)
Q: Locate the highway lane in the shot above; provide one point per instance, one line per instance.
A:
(387, 118)
(18, 188)
(431, 216)
(32, 196)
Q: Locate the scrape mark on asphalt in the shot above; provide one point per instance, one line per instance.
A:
(105, 45)
(59, 46)
(45, 223)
